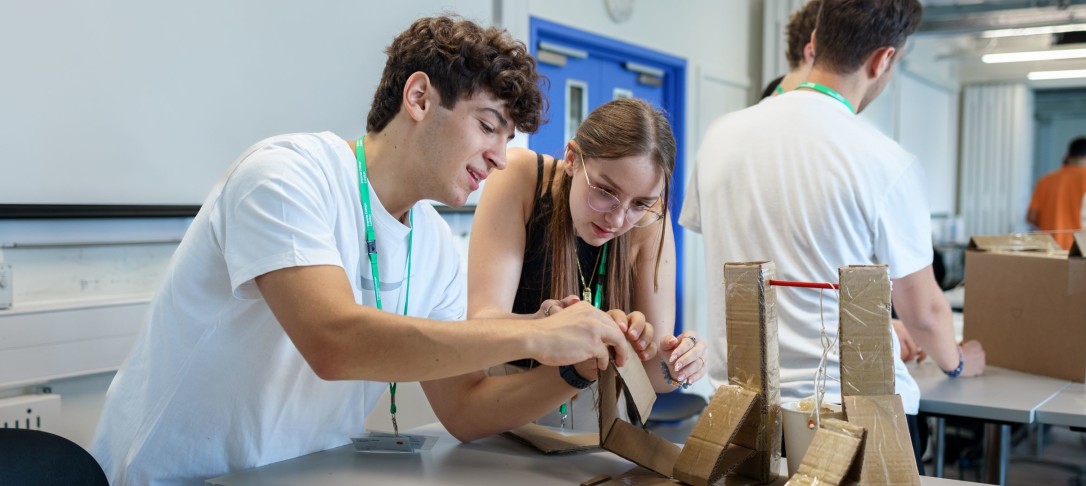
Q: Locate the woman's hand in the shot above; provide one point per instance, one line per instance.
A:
(685, 357)
(638, 332)
(551, 306)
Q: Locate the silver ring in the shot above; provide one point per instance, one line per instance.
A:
(693, 339)
(547, 311)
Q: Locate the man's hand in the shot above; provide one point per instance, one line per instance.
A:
(909, 349)
(577, 333)
(973, 356)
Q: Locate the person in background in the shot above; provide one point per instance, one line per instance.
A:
(593, 226)
(1058, 198)
(799, 50)
(800, 180)
(314, 274)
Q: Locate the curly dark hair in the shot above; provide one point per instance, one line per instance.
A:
(461, 58)
(850, 30)
(798, 32)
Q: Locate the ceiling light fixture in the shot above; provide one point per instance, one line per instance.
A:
(1048, 29)
(1045, 75)
(1033, 56)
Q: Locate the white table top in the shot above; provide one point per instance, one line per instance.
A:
(1067, 408)
(999, 394)
(493, 460)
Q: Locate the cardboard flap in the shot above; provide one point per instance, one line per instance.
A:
(638, 388)
(1038, 242)
(706, 456)
(631, 442)
(887, 451)
(1078, 247)
(831, 455)
(641, 447)
(549, 441)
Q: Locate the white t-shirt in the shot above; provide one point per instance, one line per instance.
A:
(801, 181)
(214, 384)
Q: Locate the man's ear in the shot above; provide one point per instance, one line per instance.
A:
(419, 96)
(880, 61)
(809, 51)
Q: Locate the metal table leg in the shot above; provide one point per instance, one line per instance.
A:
(997, 451)
(940, 445)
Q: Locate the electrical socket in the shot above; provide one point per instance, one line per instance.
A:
(34, 411)
(5, 286)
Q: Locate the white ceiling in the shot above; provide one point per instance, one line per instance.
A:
(953, 35)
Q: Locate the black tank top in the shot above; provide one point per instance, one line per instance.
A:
(535, 277)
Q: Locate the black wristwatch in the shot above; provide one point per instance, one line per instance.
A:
(570, 374)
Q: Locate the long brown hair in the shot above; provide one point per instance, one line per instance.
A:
(620, 128)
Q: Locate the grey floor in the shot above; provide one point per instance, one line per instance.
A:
(1062, 461)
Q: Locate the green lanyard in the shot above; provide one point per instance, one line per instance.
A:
(596, 301)
(371, 249)
(779, 89)
(826, 90)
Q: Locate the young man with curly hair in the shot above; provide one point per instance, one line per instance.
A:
(315, 273)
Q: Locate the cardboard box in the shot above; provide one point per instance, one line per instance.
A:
(1025, 301)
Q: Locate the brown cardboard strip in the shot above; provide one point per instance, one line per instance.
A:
(831, 455)
(1019, 242)
(703, 458)
(549, 441)
(636, 384)
(642, 447)
(596, 481)
(640, 476)
(754, 362)
(887, 452)
(867, 359)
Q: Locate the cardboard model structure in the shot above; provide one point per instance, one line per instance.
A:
(873, 447)
(737, 438)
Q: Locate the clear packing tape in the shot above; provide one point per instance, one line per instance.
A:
(754, 363)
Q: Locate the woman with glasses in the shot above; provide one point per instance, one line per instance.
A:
(592, 226)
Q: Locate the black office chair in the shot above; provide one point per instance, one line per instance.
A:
(36, 458)
(676, 406)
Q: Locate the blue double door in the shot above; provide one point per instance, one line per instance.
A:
(580, 86)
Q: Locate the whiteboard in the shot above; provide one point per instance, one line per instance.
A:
(148, 102)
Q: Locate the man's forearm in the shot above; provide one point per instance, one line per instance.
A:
(498, 403)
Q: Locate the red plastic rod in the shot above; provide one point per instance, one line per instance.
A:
(809, 285)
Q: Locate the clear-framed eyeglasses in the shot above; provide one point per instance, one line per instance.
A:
(604, 201)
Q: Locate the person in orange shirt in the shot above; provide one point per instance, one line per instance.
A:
(1057, 203)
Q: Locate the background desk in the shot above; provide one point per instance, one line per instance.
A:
(999, 396)
(1067, 408)
(493, 460)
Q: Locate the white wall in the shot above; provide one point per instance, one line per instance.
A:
(720, 40)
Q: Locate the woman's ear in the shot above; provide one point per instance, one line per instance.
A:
(571, 159)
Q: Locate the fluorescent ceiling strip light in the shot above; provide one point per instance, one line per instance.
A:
(1048, 29)
(1033, 56)
(1069, 74)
